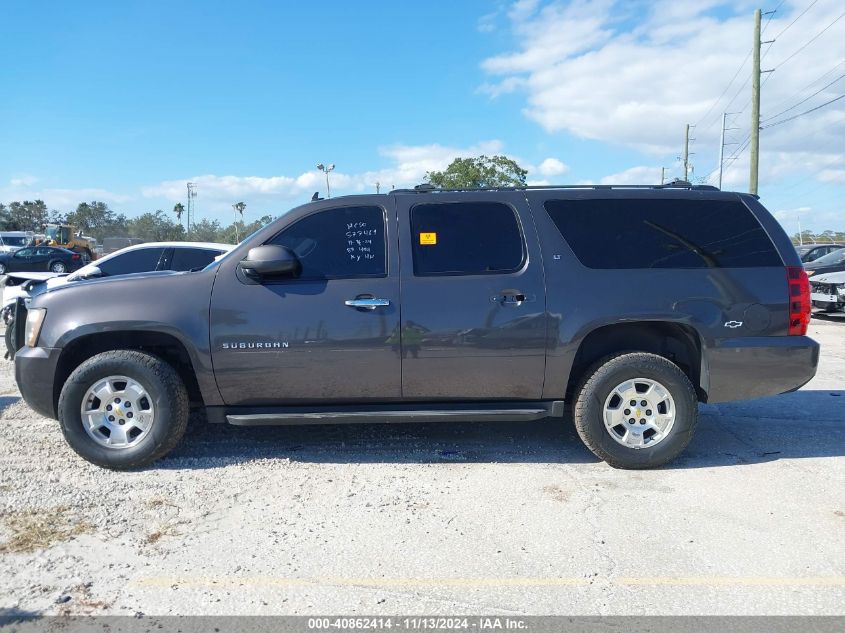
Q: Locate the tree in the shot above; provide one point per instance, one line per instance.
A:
(483, 171)
(205, 231)
(96, 219)
(156, 227)
(28, 215)
(825, 237)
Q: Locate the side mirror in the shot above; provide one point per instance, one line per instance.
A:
(89, 273)
(270, 260)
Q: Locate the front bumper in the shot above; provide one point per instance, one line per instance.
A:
(35, 372)
(752, 367)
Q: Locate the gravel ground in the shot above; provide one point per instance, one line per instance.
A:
(469, 518)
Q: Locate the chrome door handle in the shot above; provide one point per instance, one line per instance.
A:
(367, 304)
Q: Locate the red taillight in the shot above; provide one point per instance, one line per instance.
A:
(799, 300)
(75, 256)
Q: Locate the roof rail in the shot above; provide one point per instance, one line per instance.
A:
(675, 184)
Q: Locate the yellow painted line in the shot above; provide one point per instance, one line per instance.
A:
(679, 581)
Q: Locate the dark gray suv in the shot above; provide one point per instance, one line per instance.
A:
(439, 305)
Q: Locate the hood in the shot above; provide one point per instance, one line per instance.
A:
(53, 285)
(32, 276)
(829, 278)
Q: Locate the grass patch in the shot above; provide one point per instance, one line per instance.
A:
(34, 530)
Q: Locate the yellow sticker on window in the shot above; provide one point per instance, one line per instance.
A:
(428, 238)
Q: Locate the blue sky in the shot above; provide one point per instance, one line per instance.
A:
(126, 101)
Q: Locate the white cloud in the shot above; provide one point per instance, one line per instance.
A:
(66, 199)
(640, 175)
(584, 69)
(24, 180)
(552, 167)
(487, 22)
(407, 166)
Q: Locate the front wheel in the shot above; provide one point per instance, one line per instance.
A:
(636, 410)
(9, 338)
(58, 267)
(2, 269)
(123, 409)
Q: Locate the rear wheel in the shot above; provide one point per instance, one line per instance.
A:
(58, 267)
(123, 409)
(2, 269)
(636, 410)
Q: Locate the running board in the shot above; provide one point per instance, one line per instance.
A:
(529, 413)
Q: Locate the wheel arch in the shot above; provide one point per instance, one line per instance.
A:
(677, 342)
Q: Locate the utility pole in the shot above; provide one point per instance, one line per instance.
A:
(755, 105)
(378, 187)
(662, 175)
(686, 154)
(192, 194)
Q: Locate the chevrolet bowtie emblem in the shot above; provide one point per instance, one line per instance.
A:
(733, 324)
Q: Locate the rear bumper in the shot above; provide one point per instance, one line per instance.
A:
(35, 371)
(753, 367)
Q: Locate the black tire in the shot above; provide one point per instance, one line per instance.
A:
(54, 266)
(2, 269)
(162, 382)
(605, 376)
(10, 340)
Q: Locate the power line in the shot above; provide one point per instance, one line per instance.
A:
(811, 40)
(800, 15)
(815, 81)
(730, 83)
(771, 15)
(774, 116)
(792, 118)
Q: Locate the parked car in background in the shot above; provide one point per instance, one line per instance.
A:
(153, 256)
(830, 263)
(149, 256)
(811, 252)
(828, 291)
(11, 241)
(40, 258)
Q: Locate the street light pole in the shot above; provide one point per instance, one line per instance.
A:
(326, 170)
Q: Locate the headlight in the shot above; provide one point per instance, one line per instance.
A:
(34, 319)
(840, 290)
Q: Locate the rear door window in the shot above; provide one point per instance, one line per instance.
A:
(192, 258)
(138, 261)
(663, 233)
(466, 238)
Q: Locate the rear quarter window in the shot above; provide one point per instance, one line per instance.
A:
(663, 233)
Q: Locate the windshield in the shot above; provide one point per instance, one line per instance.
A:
(16, 240)
(52, 232)
(831, 259)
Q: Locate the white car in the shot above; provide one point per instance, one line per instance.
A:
(140, 258)
(827, 291)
